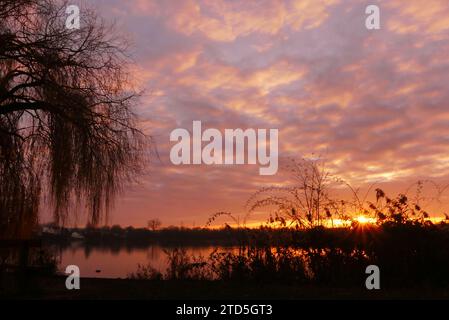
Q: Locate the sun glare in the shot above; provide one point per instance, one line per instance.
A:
(364, 220)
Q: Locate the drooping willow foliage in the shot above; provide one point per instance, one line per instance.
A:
(66, 125)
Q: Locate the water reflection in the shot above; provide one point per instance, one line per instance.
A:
(119, 262)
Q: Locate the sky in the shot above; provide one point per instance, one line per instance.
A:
(373, 103)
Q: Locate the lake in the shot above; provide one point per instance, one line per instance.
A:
(119, 263)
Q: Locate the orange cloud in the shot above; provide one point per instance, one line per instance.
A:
(223, 20)
(429, 17)
(374, 103)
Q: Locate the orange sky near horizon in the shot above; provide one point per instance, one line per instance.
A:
(373, 103)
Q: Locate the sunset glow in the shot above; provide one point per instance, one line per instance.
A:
(372, 103)
(193, 153)
(365, 220)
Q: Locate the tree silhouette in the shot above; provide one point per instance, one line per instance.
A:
(66, 124)
(154, 224)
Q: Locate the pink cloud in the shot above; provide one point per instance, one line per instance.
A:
(373, 102)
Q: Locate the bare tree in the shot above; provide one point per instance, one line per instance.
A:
(66, 124)
(154, 224)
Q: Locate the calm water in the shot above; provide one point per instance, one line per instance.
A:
(119, 263)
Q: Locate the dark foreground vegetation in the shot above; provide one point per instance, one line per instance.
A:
(413, 257)
(294, 256)
(409, 255)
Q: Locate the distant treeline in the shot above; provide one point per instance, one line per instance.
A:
(355, 235)
(171, 236)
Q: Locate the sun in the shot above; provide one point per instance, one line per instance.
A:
(364, 220)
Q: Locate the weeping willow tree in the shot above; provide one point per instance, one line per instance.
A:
(67, 130)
